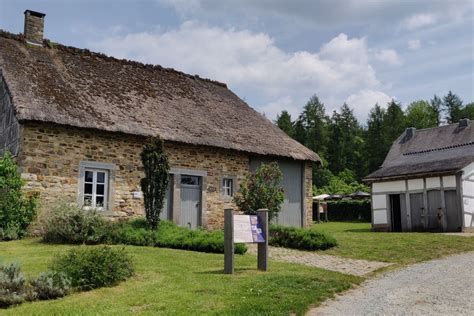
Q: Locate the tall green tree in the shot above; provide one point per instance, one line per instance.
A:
(155, 183)
(375, 138)
(452, 106)
(436, 105)
(468, 111)
(314, 121)
(299, 132)
(283, 121)
(394, 124)
(421, 114)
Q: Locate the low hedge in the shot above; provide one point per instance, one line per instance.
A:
(300, 238)
(168, 235)
(349, 211)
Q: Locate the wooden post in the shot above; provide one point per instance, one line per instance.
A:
(262, 254)
(228, 241)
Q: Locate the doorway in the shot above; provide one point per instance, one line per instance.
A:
(396, 213)
(190, 201)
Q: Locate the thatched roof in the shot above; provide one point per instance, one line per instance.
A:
(441, 150)
(76, 87)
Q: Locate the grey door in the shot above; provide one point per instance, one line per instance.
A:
(292, 207)
(435, 211)
(190, 201)
(453, 211)
(417, 211)
(166, 212)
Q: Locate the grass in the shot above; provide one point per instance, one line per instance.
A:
(357, 241)
(180, 282)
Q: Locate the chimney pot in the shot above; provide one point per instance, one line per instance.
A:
(34, 27)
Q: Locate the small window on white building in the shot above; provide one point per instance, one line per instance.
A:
(227, 187)
(95, 190)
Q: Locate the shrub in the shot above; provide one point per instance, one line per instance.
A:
(13, 287)
(154, 184)
(349, 210)
(300, 238)
(261, 189)
(51, 285)
(93, 267)
(70, 224)
(17, 210)
(168, 235)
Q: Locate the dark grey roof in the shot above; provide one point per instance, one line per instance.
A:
(444, 149)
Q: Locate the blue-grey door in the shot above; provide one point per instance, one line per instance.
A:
(166, 212)
(291, 213)
(190, 201)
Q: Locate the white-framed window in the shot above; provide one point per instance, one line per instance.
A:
(95, 190)
(227, 187)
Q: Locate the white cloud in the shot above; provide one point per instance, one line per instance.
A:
(252, 63)
(419, 20)
(389, 56)
(364, 100)
(414, 44)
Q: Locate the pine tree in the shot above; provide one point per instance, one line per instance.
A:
(283, 121)
(436, 106)
(452, 105)
(375, 138)
(394, 124)
(314, 121)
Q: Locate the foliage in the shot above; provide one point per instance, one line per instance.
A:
(73, 225)
(51, 284)
(155, 183)
(315, 122)
(468, 111)
(283, 121)
(300, 238)
(344, 183)
(420, 114)
(17, 210)
(136, 232)
(13, 286)
(436, 106)
(452, 105)
(261, 189)
(94, 267)
(349, 211)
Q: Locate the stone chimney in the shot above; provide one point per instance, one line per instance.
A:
(34, 26)
(409, 133)
(464, 123)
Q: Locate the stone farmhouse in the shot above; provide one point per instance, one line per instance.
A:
(426, 182)
(76, 121)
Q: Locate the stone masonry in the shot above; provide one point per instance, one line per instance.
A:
(50, 156)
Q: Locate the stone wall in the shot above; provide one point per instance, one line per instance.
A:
(308, 185)
(9, 126)
(34, 27)
(50, 157)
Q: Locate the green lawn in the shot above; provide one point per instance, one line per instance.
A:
(183, 282)
(357, 241)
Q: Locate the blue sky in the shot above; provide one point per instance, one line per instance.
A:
(276, 54)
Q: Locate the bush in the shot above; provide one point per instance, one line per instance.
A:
(300, 238)
(51, 285)
(93, 267)
(17, 210)
(168, 235)
(70, 224)
(349, 211)
(13, 287)
(261, 189)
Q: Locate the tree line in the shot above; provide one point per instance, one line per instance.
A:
(351, 150)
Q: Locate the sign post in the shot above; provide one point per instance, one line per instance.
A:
(245, 229)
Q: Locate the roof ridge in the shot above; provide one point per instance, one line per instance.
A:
(86, 52)
(436, 149)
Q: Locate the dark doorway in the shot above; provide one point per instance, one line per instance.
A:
(396, 213)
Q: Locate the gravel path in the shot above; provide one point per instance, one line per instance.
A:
(314, 259)
(438, 287)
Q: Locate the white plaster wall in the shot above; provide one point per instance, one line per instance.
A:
(468, 170)
(380, 217)
(389, 186)
(415, 184)
(468, 195)
(449, 181)
(433, 183)
(379, 201)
